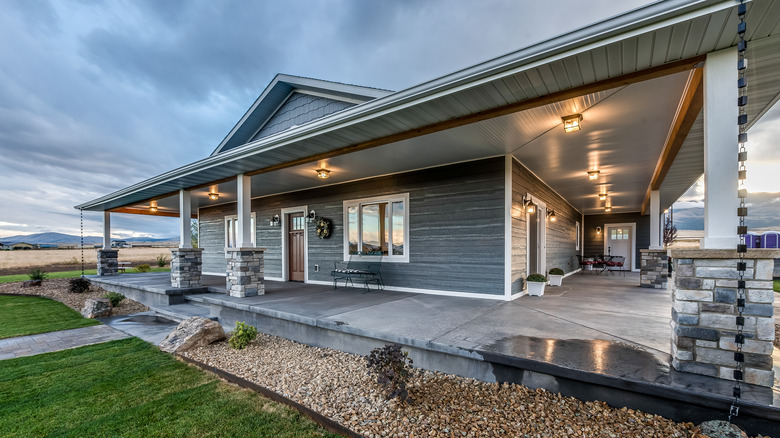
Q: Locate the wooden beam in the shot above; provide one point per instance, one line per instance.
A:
(606, 84)
(146, 211)
(690, 107)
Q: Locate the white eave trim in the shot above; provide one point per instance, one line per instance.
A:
(656, 15)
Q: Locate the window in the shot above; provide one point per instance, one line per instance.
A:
(577, 236)
(231, 231)
(377, 226)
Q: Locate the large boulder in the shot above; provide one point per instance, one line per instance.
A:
(721, 429)
(96, 308)
(193, 332)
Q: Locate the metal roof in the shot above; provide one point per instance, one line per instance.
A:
(645, 38)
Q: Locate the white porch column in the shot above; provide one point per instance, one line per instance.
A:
(185, 219)
(655, 220)
(244, 195)
(106, 230)
(720, 150)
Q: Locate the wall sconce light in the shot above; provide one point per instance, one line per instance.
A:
(572, 122)
(598, 230)
(310, 217)
(323, 173)
(602, 196)
(275, 221)
(551, 216)
(213, 196)
(153, 208)
(607, 208)
(593, 175)
(528, 205)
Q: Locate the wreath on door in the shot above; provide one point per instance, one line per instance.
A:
(323, 228)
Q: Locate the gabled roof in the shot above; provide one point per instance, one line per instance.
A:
(279, 91)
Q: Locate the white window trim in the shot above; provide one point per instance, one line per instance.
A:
(541, 212)
(358, 202)
(235, 216)
(578, 235)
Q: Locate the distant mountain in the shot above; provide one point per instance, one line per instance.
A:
(763, 214)
(69, 239)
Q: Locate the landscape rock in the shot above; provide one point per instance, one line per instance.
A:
(721, 429)
(194, 332)
(32, 283)
(96, 308)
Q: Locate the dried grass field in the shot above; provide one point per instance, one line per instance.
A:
(54, 260)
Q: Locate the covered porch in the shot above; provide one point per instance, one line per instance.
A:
(595, 337)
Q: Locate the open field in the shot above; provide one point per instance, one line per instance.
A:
(54, 260)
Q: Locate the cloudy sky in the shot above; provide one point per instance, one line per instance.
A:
(95, 96)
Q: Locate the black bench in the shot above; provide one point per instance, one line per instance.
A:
(365, 268)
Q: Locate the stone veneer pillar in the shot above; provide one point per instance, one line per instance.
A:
(245, 272)
(107, 262)
(654, 268)
(704, 297)
(186, 267)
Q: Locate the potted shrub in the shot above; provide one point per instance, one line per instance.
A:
(556, 276)
(536, 283)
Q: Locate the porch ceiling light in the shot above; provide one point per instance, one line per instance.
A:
(602, 196)
(593, 175)
(213, 196)
(607, 209)
(572, 122)
(153, 208)
(323, 173)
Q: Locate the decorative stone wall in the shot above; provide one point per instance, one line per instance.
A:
(654, 268)
(704, 296)
(186, 266)
(245, 276)
(107, 262)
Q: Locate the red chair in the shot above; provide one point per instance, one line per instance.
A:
(585, 262)
(616, 264)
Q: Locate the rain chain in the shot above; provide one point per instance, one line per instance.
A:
(742, 120)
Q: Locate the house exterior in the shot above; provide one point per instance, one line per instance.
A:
(469, 183)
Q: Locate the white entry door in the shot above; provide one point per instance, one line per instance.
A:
(620, 242)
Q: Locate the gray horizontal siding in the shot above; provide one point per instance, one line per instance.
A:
(211, 236)
(456, 240)
(561, 234)
(298, 110)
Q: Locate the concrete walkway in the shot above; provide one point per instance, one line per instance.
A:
(56, 341)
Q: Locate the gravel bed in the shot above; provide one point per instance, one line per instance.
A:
(58, 289)
(336, 385)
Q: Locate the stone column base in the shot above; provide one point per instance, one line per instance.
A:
(186, 267)
(654, 268)
(107, 262)
(245, 272)
(704, 297)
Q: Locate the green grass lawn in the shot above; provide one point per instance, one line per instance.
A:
(67, 274)
(776, 286)
(30, 315)
(128, 388)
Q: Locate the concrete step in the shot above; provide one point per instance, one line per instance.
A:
(181, 312)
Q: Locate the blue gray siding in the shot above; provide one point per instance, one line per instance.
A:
(561, 234)
(300, 109)
(456, 227)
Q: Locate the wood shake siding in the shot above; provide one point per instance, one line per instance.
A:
(561, 234)
(456, 227)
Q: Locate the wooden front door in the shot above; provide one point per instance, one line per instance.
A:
(295, 246)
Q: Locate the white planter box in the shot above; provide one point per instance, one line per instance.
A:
(555, 280)
(536, 288)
